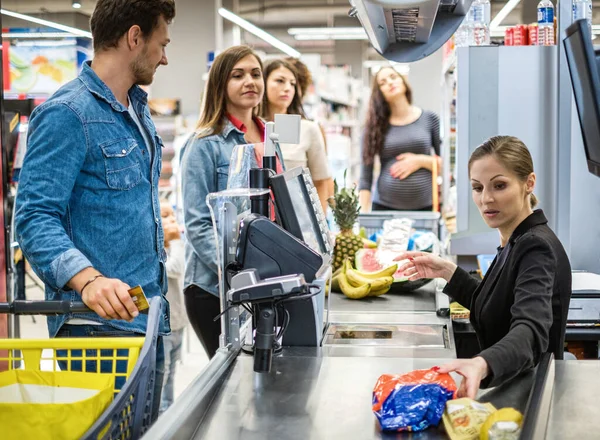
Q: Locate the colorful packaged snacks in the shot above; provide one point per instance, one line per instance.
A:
(464, 417)
(412, 401)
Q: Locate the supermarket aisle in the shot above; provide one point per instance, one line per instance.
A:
(193, 358)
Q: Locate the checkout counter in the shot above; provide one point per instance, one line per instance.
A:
(318, 384)
(321, 388)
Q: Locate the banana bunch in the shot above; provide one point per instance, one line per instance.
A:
(357, 285)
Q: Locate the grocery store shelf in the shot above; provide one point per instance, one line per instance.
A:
(338, 101)
(343, 124)
(450, 63)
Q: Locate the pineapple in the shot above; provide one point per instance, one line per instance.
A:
(345, 207)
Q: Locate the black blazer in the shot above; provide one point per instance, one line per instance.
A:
(519, 309)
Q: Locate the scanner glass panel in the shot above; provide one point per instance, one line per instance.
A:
(305, 213)
(299, 210)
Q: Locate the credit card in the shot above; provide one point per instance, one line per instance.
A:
(139, 299)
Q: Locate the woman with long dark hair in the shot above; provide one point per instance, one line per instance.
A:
(282, 96)
(407, 141)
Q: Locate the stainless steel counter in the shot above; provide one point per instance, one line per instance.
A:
(576, 401)
(310, 396)
(325, 393)
(421, 300)
(306, 396)
(401, 325)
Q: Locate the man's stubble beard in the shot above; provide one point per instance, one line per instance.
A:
(142, 74)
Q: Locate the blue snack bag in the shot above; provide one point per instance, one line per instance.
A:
(412, 401)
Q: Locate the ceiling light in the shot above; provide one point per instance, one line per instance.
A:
(503, 13)
(236, 19)
(52, 24)
(76, 4)
(46, 43)
(34, 35)
(327, 31)
(305, 37)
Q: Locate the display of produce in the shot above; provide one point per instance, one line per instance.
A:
(412, 401)
(367, 261)
(380, 283)
(357, 285)
(345, 207)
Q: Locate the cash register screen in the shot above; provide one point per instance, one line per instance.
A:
(295, 212)
(585, 78)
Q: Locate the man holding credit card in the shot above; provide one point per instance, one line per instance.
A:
(87, 210)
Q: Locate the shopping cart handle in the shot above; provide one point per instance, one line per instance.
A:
(22, 307)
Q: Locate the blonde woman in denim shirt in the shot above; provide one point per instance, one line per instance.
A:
(233, 92)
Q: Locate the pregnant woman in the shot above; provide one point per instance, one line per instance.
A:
(407, 141)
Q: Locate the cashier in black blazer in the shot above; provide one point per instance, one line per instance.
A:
(519, 309)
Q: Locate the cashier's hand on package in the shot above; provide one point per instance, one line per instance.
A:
(473, 372)
(405, 165)
(417, 265)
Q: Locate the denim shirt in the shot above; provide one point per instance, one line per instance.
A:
(88, 196)
(205, 170)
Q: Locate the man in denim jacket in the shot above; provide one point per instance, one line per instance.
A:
(87, 211)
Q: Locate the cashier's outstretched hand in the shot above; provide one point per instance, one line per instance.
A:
(473, 372)
(417, 265)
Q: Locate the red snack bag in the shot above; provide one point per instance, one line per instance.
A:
(412, 401)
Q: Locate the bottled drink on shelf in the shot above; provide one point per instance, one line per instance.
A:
(582, 10)
(461, 36)
(545, 23)
(479, 21)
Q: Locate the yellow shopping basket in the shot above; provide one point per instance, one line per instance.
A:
(133, 362)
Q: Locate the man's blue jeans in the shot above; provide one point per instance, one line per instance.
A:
(105, 331)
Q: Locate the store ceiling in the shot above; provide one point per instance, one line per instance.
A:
(276, 16)
(266, 13)
(51, 6)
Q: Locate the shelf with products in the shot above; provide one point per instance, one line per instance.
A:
(333, 101)
(449, 135)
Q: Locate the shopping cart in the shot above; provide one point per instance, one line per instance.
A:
(129, 415)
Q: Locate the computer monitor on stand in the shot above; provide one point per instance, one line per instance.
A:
(584, 67)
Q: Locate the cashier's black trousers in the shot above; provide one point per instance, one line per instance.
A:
(202, 308)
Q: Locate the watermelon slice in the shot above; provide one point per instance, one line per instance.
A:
(370, 260)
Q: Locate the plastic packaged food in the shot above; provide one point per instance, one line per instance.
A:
(504, 424)
(464, 417)
(412, 401)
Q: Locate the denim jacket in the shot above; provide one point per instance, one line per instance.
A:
(205, 170)
(88, 195)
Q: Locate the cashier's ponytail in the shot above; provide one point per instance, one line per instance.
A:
(512, 153)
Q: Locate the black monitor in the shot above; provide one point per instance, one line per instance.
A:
(298, 209)
(583, 64)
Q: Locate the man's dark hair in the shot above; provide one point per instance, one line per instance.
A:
(113, 18)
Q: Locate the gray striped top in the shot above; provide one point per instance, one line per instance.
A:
(414, 192)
